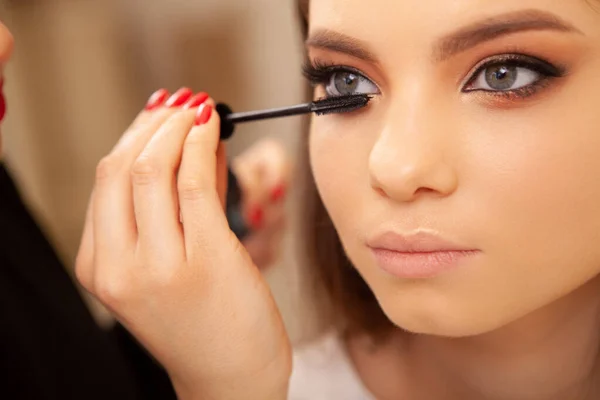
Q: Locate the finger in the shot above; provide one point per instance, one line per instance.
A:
(154, 175)
(155, 101)
(84, 263)
(265, 242)
(151, 118)
(263, 172)
(262, 197)
(266, 160)
(201, 206)
(221, 164)
(115, 228)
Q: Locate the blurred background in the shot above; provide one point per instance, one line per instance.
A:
(83, 69)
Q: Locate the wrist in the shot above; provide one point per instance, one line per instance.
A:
(263, 389)
(270, 383)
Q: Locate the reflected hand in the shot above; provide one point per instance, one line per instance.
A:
(264, 173)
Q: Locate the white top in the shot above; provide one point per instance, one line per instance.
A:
(323, 371)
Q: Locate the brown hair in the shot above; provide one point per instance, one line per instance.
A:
(350, 305)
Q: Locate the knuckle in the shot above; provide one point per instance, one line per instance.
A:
(238, 164)
(144, 171)
(82, 272)
(191, 189)
(107, 168)
(195, 139)
(166, 279)
(111, 292)
(163, 277)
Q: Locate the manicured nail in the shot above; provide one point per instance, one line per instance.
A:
(256, 217)
(179, 98)
(278, 193)
(2, 101)
(157, 99)
(203, 114)
(197, 100)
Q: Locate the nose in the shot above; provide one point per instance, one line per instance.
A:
(413, 155)
(6, 44)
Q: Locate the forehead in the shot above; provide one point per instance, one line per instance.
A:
(392, 22)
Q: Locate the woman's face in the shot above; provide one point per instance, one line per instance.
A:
(6, 46)
(484, 132)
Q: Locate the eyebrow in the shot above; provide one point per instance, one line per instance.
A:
(455, 42)
(338, 42)
(494, 27)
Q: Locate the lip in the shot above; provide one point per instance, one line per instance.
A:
(418, 255)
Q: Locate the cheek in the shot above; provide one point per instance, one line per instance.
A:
(531, 183)
(538, 189)
(339, 153)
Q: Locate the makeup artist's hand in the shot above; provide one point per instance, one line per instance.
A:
(186, 288)
(263, 172)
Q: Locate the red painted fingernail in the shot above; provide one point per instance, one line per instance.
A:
(179, 97)
(278, 193)
(256, 217)
(203, 114)
(2, 101)
(196, 101)
(157, 99)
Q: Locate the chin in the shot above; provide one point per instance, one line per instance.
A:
(440, 316)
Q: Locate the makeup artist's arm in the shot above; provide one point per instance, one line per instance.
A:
(187, 290)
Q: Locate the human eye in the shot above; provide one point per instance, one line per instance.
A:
(512, 75)
(339, 80)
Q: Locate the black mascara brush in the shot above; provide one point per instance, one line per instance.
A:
(338, 104)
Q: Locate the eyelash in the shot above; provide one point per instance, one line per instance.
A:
(319, 74)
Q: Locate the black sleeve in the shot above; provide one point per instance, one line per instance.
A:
(152, 379)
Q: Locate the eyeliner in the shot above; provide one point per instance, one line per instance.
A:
(336, 104)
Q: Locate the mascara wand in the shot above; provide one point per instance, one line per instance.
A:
(336, 104)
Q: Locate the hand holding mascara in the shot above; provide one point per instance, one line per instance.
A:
(157, 250)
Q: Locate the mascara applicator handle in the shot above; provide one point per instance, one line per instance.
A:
(227, 127)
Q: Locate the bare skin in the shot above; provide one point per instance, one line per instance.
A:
(512, 176)
(510, 171)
